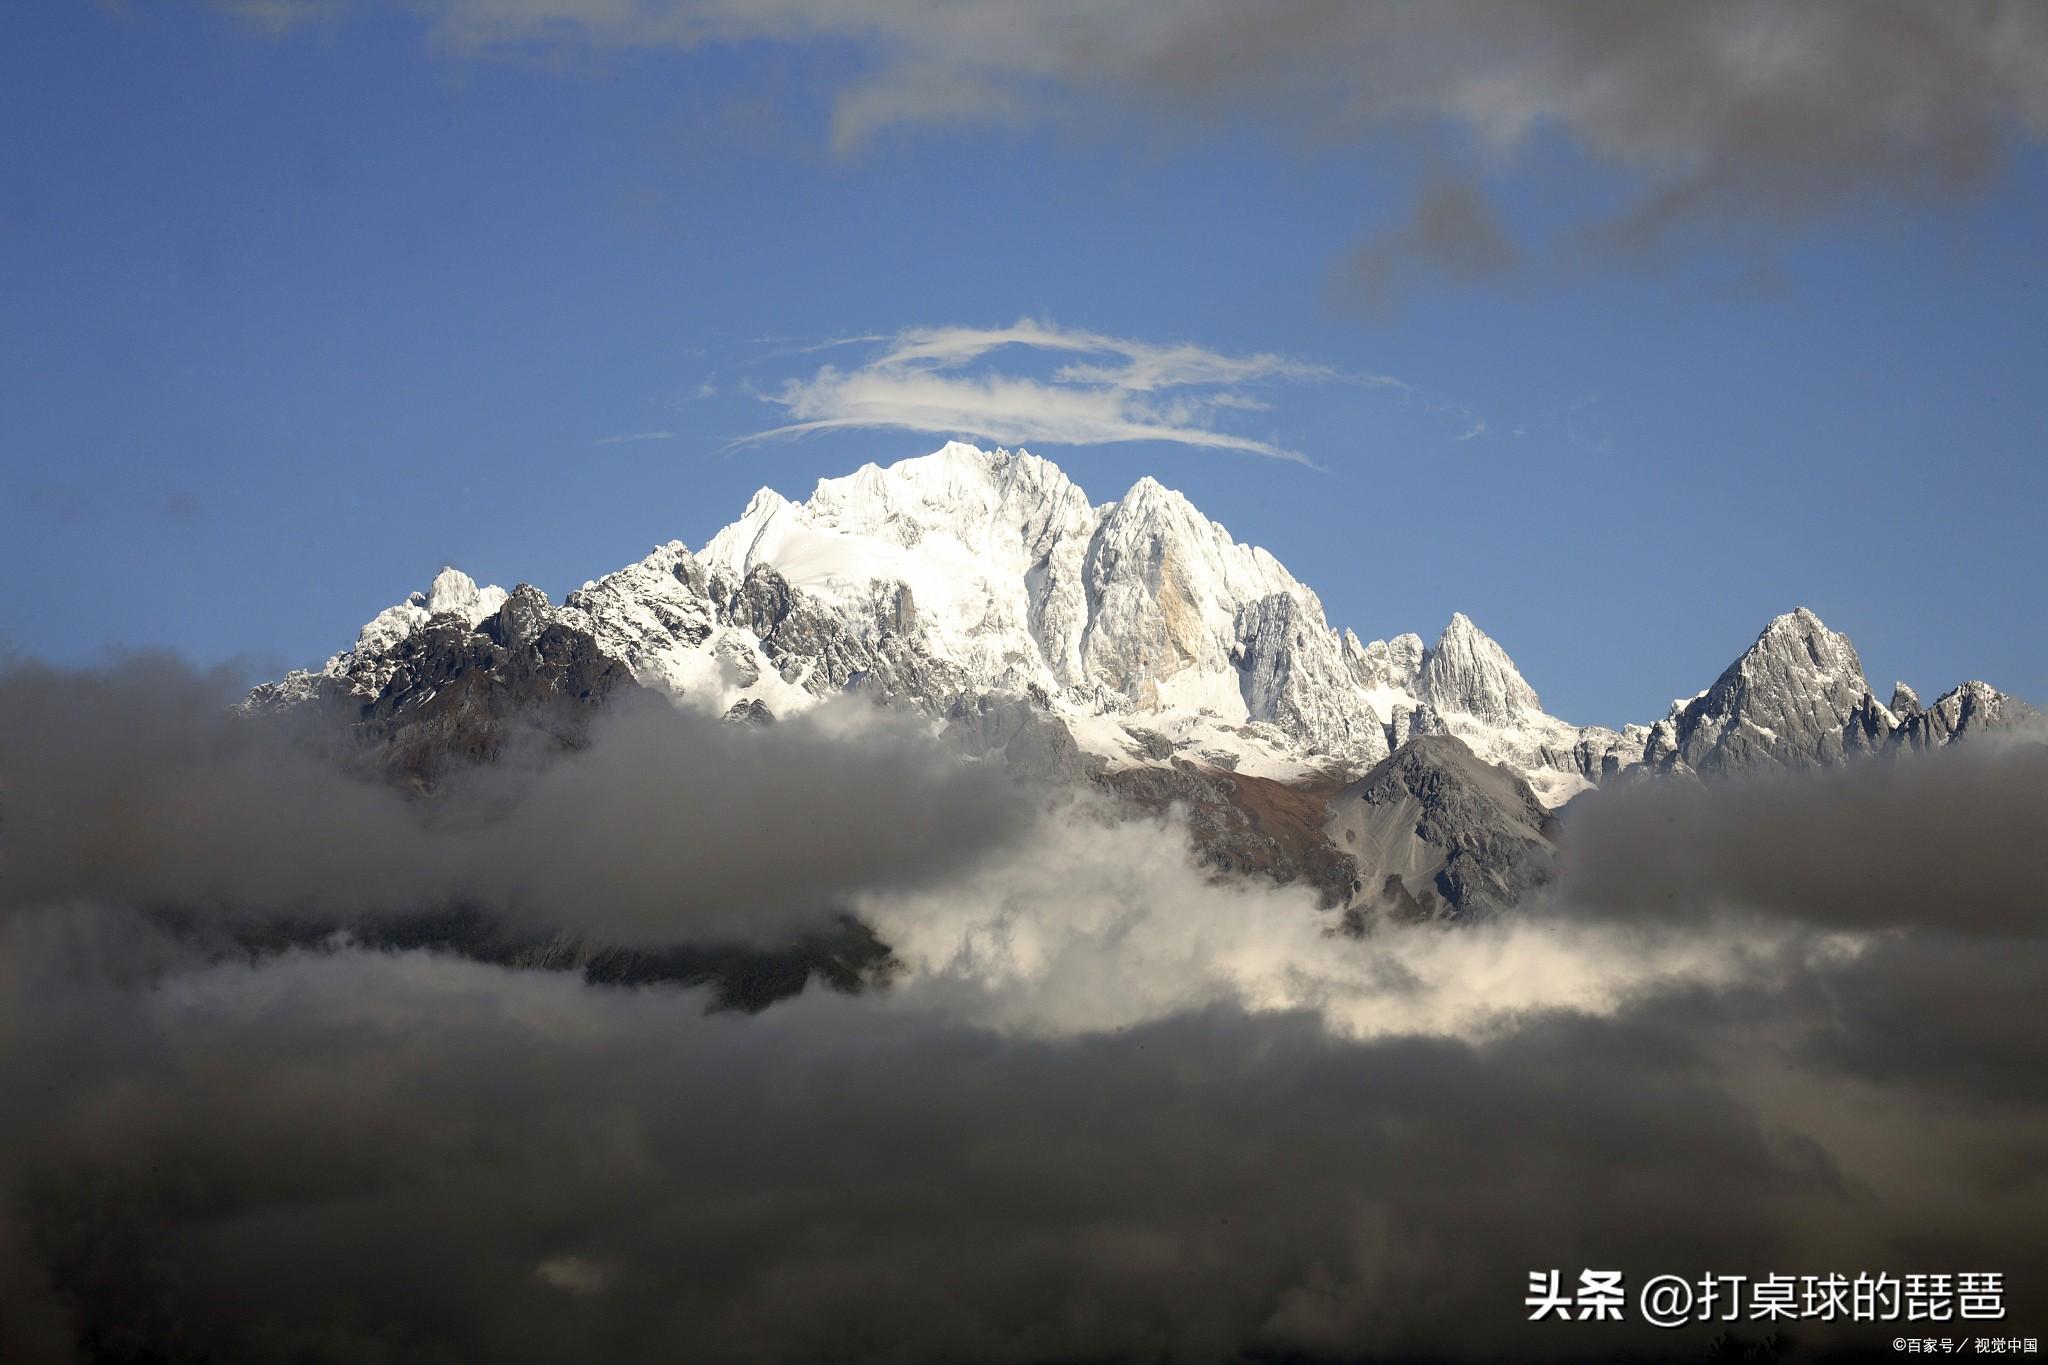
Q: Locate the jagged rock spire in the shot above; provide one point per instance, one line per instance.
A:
(1465, 670)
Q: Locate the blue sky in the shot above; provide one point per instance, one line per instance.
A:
(301, 304)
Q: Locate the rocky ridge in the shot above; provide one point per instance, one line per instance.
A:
(1133, 644)
(1437, 833)
(1797, 700)
(967, 574)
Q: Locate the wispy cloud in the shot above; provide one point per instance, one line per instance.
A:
(1103, 389)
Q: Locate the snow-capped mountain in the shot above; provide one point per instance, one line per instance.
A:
(1797, 699)
(1133, 643)
(1138, 624)
(1137, 630)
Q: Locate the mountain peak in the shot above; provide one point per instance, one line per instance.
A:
(1802, 622)
(1466, 670)
(1784, 702)
(455, 592)
(1442, 833)
(956, 485)
(765, 503)
(1799, 641)
(950, 461)
(1148, 493)
(964, 573)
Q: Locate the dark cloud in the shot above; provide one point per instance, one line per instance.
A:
(1718, 111)
(1952, 840)
(138, 786)
(1733, 118)
(345, 1155)
(400, 1158)
(1453, 233)
(360, 1157)
(1945, 1015)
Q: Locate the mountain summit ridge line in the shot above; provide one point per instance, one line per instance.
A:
(1137, 632)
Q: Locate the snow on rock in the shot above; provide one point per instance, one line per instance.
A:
(455, 593)
(988, 546)
(1971, 709)
(1784, 703)
(1003, 568)
(984, 589)
(657, 616)
(367, 669)
(1147, 631)
(1466, 672)
(1797, 699)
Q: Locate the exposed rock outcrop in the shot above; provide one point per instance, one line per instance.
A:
(1437, 833)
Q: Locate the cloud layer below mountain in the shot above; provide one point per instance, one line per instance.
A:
(1111, 1108)
(137, 787)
